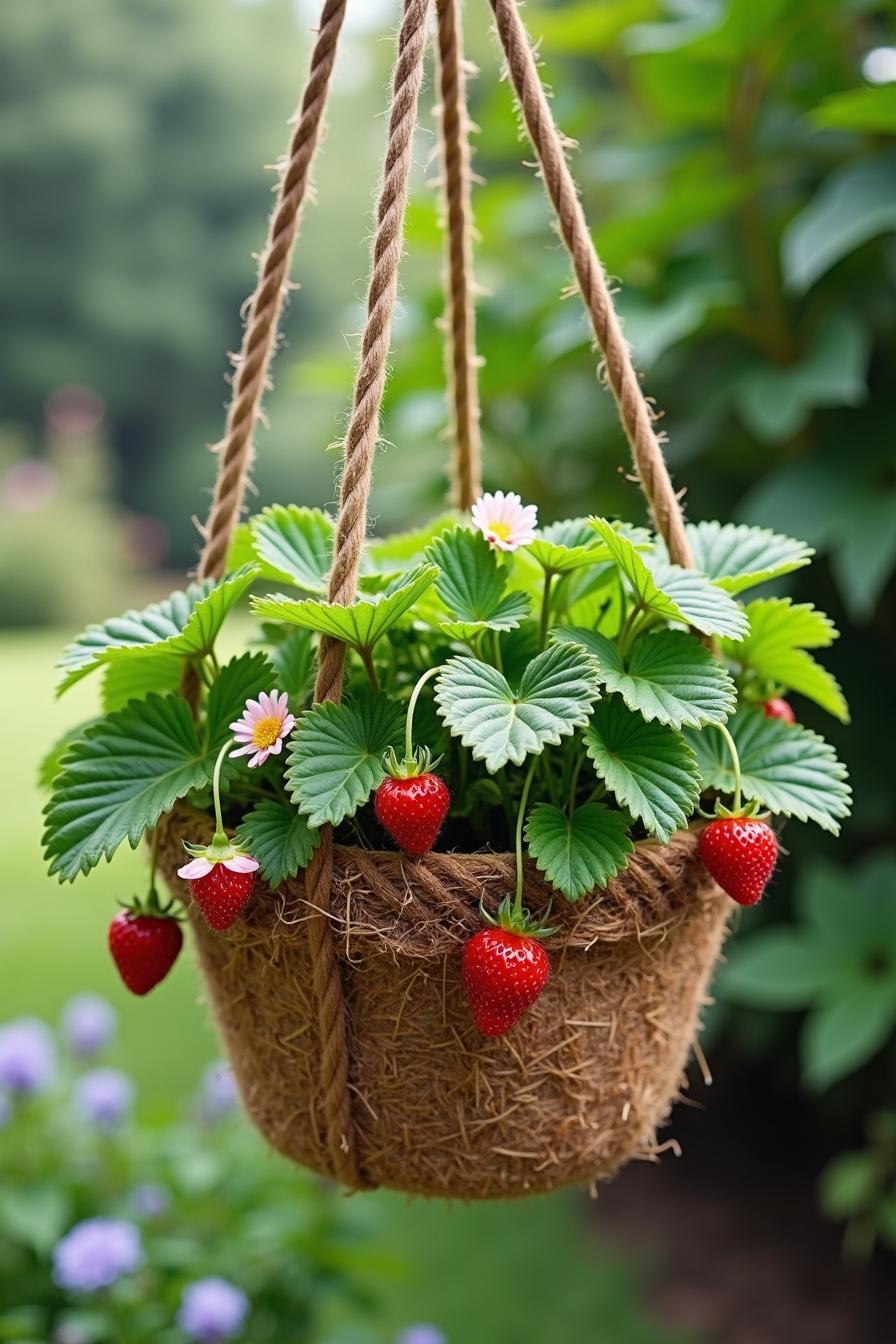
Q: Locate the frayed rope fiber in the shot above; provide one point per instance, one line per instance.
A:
(576, 1089)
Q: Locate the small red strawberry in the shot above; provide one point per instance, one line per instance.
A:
(740, 853)
(144, 947)
(504, 968)
(778, 708)
(411, 802)
(221, 878)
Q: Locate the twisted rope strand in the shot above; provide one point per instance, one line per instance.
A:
(360, 445)
(370, 383)
(250, 380)
(460, 349)
(634, 409)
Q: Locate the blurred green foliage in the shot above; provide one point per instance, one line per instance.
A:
(739, 173)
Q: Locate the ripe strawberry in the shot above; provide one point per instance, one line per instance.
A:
(503, 972)
(221, 878)
(740, 853)
(778, 708)
(411, 803)
(144, 948)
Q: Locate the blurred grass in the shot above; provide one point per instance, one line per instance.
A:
(531, 1273)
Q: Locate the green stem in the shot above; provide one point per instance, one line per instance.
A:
(520, 820)
(220, 835)
(412, 705)
(627, 631)
(496, 650)
(574, 782)
(367, 660)
(735, 764)
(545, 609)
(152, 898)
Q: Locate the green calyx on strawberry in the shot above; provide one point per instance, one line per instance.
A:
(740, 850)
(221, 877)
(505, 967)
(145, 940)
(411, 803)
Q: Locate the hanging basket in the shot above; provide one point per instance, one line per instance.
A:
(338, 997)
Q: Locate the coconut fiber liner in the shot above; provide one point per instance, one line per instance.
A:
(575, 1089)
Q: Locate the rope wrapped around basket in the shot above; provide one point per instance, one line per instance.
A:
(441, 892)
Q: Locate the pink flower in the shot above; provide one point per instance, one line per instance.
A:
(265, 723)
(504, 520)
(201, 867)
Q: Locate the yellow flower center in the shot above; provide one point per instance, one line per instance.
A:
(500, 530)
(265, 732)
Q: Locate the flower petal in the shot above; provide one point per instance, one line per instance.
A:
(195, 868)
(241, 863)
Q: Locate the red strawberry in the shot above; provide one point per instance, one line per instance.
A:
(221, 878)
(740, 853)
(144, 948)
(411, 803)
(777, 708)
(504, 973)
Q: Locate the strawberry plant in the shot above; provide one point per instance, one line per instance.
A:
(562, 691)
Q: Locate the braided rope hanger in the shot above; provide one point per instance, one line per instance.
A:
(335, 1122)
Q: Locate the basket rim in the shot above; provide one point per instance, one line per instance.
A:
(428, 907)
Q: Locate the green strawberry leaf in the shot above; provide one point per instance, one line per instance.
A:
(775, 649)
(788, 769)
(361, 624)
(564, 547)
(296, 544)
(238, 680)
(668, 676)
(51, 761)
(337, 756)
(737, 557)
(648, 766)
(671, 592)
(118, 779)
(472, 586)
(185, 623)
(127, 679)
(555, 696)
(279, 838)
(580, 852)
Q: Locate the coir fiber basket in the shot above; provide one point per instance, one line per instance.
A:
(338, 996)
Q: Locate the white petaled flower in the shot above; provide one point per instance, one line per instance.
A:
(201, 866)
(263, 727)
(504, 520)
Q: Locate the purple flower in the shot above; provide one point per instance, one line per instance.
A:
(27, 1057)
(95, 1253)
(88, 1024)
(150, 1200)
(218, 1096)
(421, 1334)
(212, 1310)
(104, 1098)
